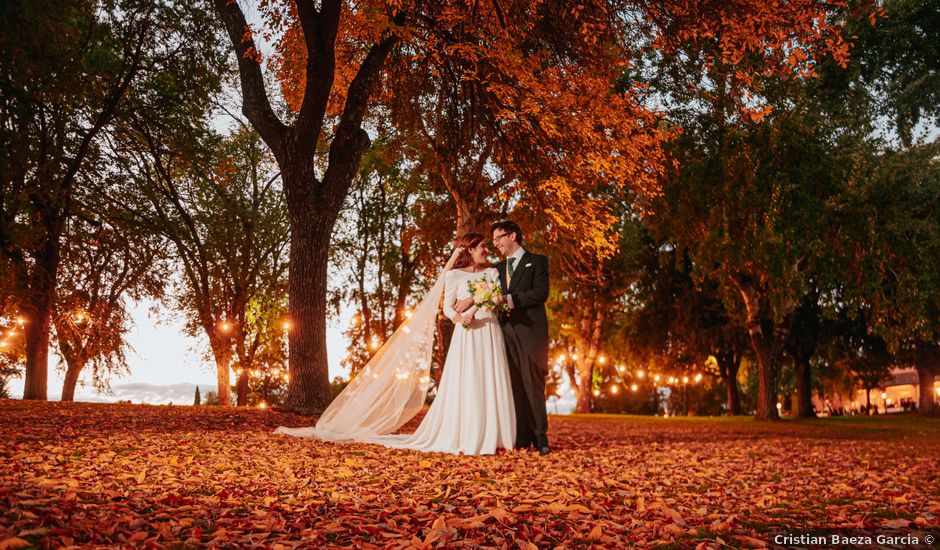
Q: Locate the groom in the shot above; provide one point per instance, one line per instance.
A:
(524, 278)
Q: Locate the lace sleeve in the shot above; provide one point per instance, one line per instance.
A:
(450, 294)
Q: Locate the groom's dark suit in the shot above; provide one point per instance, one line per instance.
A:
(525, 328)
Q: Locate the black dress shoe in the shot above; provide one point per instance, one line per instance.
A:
(543, 450)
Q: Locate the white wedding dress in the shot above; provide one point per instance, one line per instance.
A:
(473, 411)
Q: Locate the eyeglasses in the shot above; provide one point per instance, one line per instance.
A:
(498, 237)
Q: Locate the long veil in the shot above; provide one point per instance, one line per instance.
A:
(392, 387)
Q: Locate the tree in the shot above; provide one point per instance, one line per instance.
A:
(261, 347)
(680, 318)
(718, 79)
(349, 49)
(111, 59)
(895, 282)
(197, 401)
(587, 306)
(868, 359)
(212, 399)
(387, 252)
(103, 264)
(12, 349)
(315, 185)
(896, 70)
(896, 59)
(216, 200)
(802, 342)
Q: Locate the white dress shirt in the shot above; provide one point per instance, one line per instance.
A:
(515, 267)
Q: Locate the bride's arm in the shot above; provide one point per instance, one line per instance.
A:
(450, 295)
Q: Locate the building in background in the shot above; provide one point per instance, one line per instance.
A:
(900, 393)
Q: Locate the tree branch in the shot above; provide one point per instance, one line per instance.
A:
(256, 105)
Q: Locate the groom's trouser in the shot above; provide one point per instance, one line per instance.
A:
(528, 392)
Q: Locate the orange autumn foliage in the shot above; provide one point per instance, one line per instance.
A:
(538, 87)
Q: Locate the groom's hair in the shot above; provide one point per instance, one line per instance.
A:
(509, 227)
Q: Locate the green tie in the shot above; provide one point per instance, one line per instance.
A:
(511, 261)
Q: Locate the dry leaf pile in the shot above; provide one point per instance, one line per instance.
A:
(156, 476)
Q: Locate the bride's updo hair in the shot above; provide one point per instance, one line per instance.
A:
(468, 241)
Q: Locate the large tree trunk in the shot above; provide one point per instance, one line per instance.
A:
(41, 284)
(766, 377)
(470, 216)
(592, 326)
(585, 386)
(763, 341)
(728, 365)
(38, 322)
(801, 344)
(308, 391)
(72, 372)
(313, 204)
(733, 397)
(927, 402)
(223, 381)
(804, 387)
(222, 351)
(242, 388)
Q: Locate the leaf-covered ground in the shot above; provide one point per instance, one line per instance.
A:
(165, 476)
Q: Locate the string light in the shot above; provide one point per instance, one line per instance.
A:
(601, 359)
(574, 356)
(656, 378)
(262, 405)
(634, 387)
(614, 388)
(597, 393)
(374, 344)
(408, 313)
(562, 358)
(639, 374)
(286, 325)
(225, 326)
(622, 368)
(698, 377)
(685, 379)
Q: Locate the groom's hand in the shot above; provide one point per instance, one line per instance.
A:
(463, 305)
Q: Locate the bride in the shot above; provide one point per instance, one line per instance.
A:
(473, 410)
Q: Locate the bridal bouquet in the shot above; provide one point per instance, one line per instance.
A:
(486, 296)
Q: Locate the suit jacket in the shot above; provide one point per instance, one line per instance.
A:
(527, 322)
